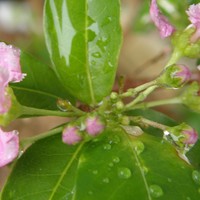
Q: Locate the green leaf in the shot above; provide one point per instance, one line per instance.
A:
(46, 169)
(114, 166)
(40, 88)
(83, 39)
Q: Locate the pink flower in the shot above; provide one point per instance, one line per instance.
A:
(183, 73)
(94, 126)
(71, 135)
(160, 21)
(194, 16)
(10, 71)
(9, 147)
(191, 136)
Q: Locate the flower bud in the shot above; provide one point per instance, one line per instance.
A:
(71, 135)
(190, 97)
(14, 109)
(183, 134)
(174, 76)
(9, 147)
(94, 125)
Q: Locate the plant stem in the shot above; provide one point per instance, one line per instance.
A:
(142, 96)
(174, 58)
(42, 112)
(134, 91)
(33, 139)
(158, 103)
(149, 123)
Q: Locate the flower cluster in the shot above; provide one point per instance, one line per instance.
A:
(166, 29)
(92, 126)
(10, 71)
(9, 147)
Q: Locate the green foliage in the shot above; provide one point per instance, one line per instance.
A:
(113, 166)
(40, 88)
(83, 39)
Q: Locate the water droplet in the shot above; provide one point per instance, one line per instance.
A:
(96, 54)
(196, 176)
(110, 64)
(156, 191)
(107, 147)
(138, 146)
(95, 172)
(124, 173)
(116, 159)
(106, 180)
(106, 21)
(115, 139)
(63, 105)
(102, 43)
(169, 180)
(111, 164)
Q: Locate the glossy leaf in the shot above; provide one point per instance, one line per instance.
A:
(83, 39)
(40, 88)
(46, 170)
(115, 166)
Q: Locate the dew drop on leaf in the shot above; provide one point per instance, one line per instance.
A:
(196, 176)
(155, 191)
(111, 164)
(106, 180)
(95, 172)
(107, 147)
(96, 54)
(116, 159)
(110, 64)
(124, 173)
(138, 146)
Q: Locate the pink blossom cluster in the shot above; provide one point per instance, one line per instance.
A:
(164, 26)
(10, 71)
(72, 134)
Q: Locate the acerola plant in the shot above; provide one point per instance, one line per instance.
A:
(113, 145)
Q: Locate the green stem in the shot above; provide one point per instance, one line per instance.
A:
(148, 122)
(134, 91)
(176, 100)
(142, 96)
(33, 139)
(174, 58)
(42, 112)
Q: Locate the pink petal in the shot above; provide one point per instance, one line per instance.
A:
(70, 135)
(94, 126)
(194, 14)
(5, 102)
(160, 21)
(9, 147)
(10, 59)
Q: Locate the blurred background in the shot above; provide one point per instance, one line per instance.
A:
(143, 53)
